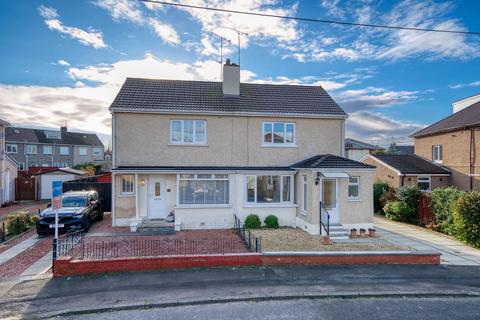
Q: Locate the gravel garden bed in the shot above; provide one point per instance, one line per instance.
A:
(290, 239)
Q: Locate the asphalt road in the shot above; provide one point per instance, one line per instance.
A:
(248, 289)
(324, 309)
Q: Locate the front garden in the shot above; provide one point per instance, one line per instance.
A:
(456, 213)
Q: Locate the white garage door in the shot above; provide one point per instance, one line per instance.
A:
(46, 183)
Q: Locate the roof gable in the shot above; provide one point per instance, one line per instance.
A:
(180, 96)
(467, 117)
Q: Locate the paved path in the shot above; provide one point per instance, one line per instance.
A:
(38, 268)
(453, 252)
(18, 248)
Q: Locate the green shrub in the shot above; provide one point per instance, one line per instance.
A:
(466, 217)
(19, 222)
(396, 210)
(410, 197)
(443, 200)
(387, 196)
(253, 222)
(271, 221)
(379, 188)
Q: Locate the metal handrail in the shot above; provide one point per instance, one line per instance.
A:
(324, 216)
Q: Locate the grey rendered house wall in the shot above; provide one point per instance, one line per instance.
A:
(40, 159)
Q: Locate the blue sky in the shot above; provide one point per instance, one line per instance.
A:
(65, 60)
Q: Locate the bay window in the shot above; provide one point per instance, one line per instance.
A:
(278, 133)
(203, 189)
(188, 132)
(269, 189)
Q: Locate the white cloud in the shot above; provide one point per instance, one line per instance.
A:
(122, 10)
(373, 97)
(63, 62)
(89, 38)
(164, 31)
(463, 85)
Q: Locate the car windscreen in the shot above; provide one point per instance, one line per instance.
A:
(74, 201)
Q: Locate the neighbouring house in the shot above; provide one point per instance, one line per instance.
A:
(44, 179)
(408, 170)
(357, 150)
(8, 169)
(207, 151)
(405, 150)
(52, 148)
(454, 143)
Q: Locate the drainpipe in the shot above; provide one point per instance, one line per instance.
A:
(472, 157)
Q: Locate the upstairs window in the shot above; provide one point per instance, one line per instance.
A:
(31, 149)
(82, 151)
(47, 149)
(12, 148)
(188, 132)
(64, 151)
(437, 154)
(278, 133)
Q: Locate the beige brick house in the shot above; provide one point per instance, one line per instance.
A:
(207, 151)
(454, 143)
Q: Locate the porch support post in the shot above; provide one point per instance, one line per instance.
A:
(113, 200)
(137, 214)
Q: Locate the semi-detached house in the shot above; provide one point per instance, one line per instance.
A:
(207, 151)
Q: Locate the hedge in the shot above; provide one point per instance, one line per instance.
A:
(379, 188)
(410, 197)
(19, 222)
(443, 200)
(466, 217)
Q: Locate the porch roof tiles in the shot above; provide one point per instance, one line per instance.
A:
(324, 161)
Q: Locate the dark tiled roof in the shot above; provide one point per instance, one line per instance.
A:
(467, 117)
(179, 96)
(330, 161)
(410, 164)
(38, 136)
(355, 144)
(201, 168)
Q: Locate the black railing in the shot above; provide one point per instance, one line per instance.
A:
(324, 219)
(88, 248)
(67, 243)
(254, 244)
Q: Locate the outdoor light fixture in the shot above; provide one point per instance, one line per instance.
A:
(317, 179)
(142, 182)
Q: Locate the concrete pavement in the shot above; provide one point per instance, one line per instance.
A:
(132, 291)
(18, 248)
(453, 251)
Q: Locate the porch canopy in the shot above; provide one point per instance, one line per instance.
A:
(331, 166)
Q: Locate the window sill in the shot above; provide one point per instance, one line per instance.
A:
(188, 145)
(438, 161)
(203, 206)
(303, 213)
(279, 145)
(126, 195)
(269, 205)
(354, 199)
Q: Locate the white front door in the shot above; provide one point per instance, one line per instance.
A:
(156, 198)
(330, 199)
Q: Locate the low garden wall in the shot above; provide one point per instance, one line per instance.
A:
(65, 266)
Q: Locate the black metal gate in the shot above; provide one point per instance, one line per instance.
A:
(104, 190)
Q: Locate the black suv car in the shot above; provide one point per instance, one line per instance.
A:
(79, 209)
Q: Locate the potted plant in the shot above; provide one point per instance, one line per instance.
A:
(353, 233)
(326, 240)
(362, 233)
(371, 232)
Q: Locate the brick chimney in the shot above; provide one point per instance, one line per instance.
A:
(231, 79)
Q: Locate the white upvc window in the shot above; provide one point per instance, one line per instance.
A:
(82, 151)
(203, 189)
(269, 189)
(278, 134)
(11, 148)
(31, 149)
(64, 150)
(424, 183)
(304, 193)
(60, 164)
(97, 152)
(127, 184)
(47, 149)
(21, 166)
(188, 132)
(354, 188)
(437, 153)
